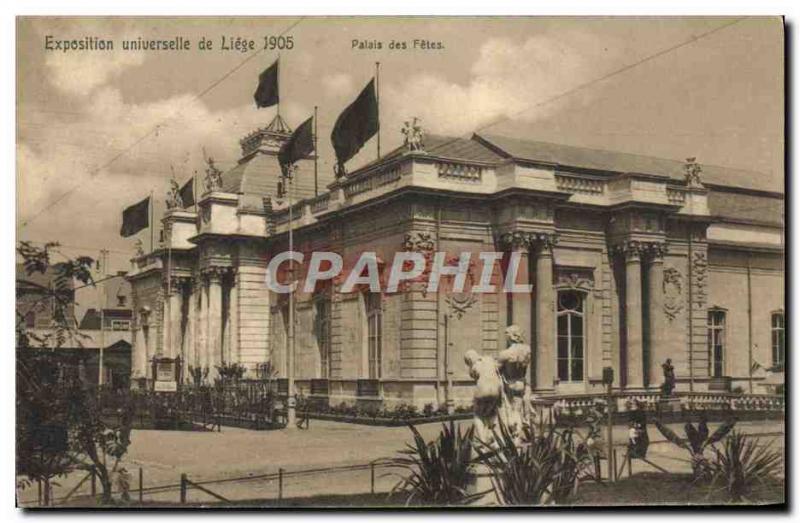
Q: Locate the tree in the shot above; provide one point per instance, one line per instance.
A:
(61, 426)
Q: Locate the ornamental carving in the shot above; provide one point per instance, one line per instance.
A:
(460, 303)
(582, 280)
(213, 179)
(699, 276)
(692, 171)
(635, 249)
(673, 292)
(419, 241)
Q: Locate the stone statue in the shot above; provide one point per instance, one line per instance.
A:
(669, 378)
(413, 135)
(693, 170)
(502, 392)
(488, 393)
(139, 248)
(213, 180)
(174, 200)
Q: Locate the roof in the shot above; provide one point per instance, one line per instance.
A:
(746, 207)
(91, 320)
(613, 161)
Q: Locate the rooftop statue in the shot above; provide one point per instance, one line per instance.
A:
(213, 180)
(174, 200)
(413, 135)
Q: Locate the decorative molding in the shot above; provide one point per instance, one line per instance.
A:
(699, 277)
(544, 241)
(632, 250)
(460, 303)
(673, 292)
(419, 241)
(575, 279)
(676, 196)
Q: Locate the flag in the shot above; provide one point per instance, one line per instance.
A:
(356, 125)
(266, 94)
(135, 218)
(299, 145)
(187, 193)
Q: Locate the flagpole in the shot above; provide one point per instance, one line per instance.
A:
(378, 100)
(279, 84)
(316, 156)
(151, 203)
(290, 408)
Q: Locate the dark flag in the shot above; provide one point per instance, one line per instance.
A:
(135, 218)
(266, 94)
(356, 125)
(187, 193)
(299, 145)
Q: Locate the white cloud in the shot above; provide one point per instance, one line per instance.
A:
(80, 73)
(337, 85)
(507, 80)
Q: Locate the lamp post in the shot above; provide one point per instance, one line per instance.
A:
(291, 415)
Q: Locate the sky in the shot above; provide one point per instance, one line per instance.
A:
(97, 131)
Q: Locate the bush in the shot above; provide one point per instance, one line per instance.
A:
(542, 469)
(438, 471)
(743, 464)
(696, 441)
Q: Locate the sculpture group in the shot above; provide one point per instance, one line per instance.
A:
(502, 393)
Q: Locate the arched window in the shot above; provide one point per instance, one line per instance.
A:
(716, 342)
(778, 340)
(372, 302)
(571, 336)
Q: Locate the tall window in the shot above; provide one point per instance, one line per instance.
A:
(323, 333)
(571, 337)
(716, 342)
(374, 333)
(778, 340)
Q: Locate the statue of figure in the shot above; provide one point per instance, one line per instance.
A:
(513, 363)
(413, 135)
(502, 392)
(669, 378)
(174, 200)
(693, 170)
(139, 248)
(213, 180)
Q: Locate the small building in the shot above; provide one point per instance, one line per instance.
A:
(632, 261)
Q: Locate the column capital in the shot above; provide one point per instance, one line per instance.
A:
(655, 251)
(529, 241)
(215, 273)
(630, 250)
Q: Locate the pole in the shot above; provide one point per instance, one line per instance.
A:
(102, 306)
(141, 485)
(168, 294)
(691, 315)
(151, 220)
(291, 415)
(184, 481)
(372, 477)
(278, 62)
(378, 100)
(280, 484)
(749, 327)
(610, 431)
(316, 155)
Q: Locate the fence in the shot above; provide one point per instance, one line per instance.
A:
(366, 478)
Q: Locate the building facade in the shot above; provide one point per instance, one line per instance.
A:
(631, 261)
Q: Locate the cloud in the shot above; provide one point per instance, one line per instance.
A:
(337, 85)
(508, 80)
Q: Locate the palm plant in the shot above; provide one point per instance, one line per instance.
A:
(543, 468)
(743, 464)
(696, 441)
(438, 471)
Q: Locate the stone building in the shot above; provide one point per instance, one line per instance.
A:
(632, 260)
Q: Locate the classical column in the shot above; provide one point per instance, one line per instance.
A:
(214, 319)
(174, 347)
(191, 335)
(634, 361)
(202, 323)
(519, 303)
(655, 308)
(544, 359)
(233, 319)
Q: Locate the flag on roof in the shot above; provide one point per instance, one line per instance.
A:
(135, 218)
(299, 145)
(187, 193)
(356, 125)
(266, 94)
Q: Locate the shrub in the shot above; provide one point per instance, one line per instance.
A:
(743, 464)
(540, 469)
(696, 441)
(438, 471)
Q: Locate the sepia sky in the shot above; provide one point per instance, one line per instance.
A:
(81, 116)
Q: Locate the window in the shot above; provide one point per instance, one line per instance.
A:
(716, 343)
(571, 338)
(122, 301)
(322, 304)
(778, 340)
(374, 333)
